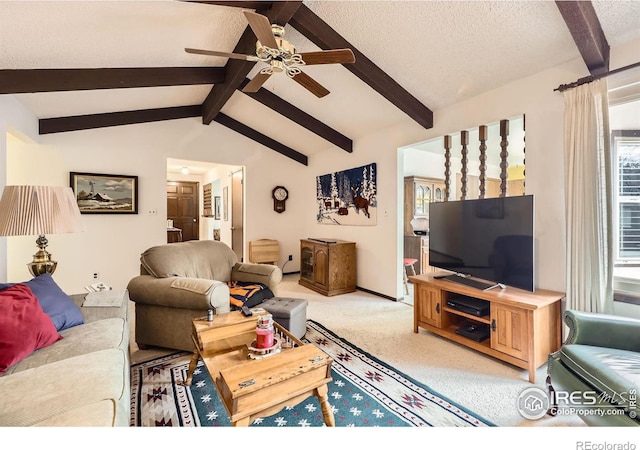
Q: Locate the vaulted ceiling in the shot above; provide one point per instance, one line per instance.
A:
(90, 64)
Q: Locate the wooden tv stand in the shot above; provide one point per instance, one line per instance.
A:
(524, 326)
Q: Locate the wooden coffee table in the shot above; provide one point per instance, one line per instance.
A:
(252, 388)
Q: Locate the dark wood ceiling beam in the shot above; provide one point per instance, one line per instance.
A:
(300, 117)
(236, 69)
(325, 37)
(92, 121)
(15, 81)
(103, 120)
(256, 136)
(236, 4)
(585, 28)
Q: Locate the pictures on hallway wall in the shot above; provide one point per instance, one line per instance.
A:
(225, 203)
(348, 197)
(105, 194)
(218, 207)
(207, 208)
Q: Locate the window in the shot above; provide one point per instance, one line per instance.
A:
(624, 120)
(626, 153)
(420, 195)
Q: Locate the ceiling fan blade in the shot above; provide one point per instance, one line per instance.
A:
(310, 84)
(338, 56)
(223, 54)
(261, 28)
(257, 82)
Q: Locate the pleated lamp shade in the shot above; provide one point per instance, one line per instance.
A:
(36, 210)
(39, 210)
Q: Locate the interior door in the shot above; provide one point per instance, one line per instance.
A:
(237, 213)
(182, 208)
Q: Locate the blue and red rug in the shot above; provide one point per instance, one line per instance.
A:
(364, 392)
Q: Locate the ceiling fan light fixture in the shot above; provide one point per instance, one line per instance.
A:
(277, 66)
(277, 30)
(265, 53)
(293, 71)
(281, 56)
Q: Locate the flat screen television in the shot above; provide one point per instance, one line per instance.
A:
(491, 239)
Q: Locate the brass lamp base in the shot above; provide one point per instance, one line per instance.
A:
(42, 262)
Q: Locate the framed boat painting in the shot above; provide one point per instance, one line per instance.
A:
(105, 194)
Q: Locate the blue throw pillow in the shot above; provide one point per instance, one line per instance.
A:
(55, 303)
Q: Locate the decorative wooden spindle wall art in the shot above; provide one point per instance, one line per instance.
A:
(447, 167)
(504, 154)
(483, 131)
(464, 141)
(524, 160)
(482, 136)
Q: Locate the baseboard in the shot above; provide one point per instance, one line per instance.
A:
(378, 294)
(368, 291)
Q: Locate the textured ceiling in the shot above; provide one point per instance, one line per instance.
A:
(442, 52)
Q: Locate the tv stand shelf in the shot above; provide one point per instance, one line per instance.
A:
(524, 326)
(481, 319)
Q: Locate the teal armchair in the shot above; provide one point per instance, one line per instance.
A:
(597, 370)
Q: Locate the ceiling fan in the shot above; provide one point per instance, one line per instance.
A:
(281, 56)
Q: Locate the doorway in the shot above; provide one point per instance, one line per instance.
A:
(425, 161)
(237, 216)
(182, 208)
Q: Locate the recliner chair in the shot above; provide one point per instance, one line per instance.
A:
(181, 281)
(599, 366)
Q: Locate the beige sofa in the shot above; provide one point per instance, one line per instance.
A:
(81, 380)
(183, 280)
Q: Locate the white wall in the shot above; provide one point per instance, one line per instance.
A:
(21, 124)
(112, 245)
(423, 164)
(534, 97)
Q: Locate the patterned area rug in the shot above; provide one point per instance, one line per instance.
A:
(364, 392)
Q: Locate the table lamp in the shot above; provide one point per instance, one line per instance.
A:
(39, 210)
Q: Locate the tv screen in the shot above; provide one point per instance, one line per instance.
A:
(491, 239)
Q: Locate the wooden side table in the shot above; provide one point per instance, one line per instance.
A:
(174, 235)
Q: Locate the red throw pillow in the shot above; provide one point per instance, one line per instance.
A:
(24, 326)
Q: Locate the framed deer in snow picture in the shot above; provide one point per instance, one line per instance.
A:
(348, 197)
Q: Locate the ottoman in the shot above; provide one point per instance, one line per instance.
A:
(291, 313)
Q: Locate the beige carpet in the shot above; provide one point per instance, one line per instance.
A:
(384, 328)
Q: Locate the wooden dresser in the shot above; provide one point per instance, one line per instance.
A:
(328, 266)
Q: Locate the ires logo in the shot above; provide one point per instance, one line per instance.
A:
(534, 403)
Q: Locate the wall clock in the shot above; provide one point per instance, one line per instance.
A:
(280, 195)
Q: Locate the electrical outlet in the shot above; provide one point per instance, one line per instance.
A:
(96, 275)
(290, 257)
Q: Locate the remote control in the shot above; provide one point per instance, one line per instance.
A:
(246, 311)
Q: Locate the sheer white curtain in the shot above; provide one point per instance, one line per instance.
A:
(588, 201)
